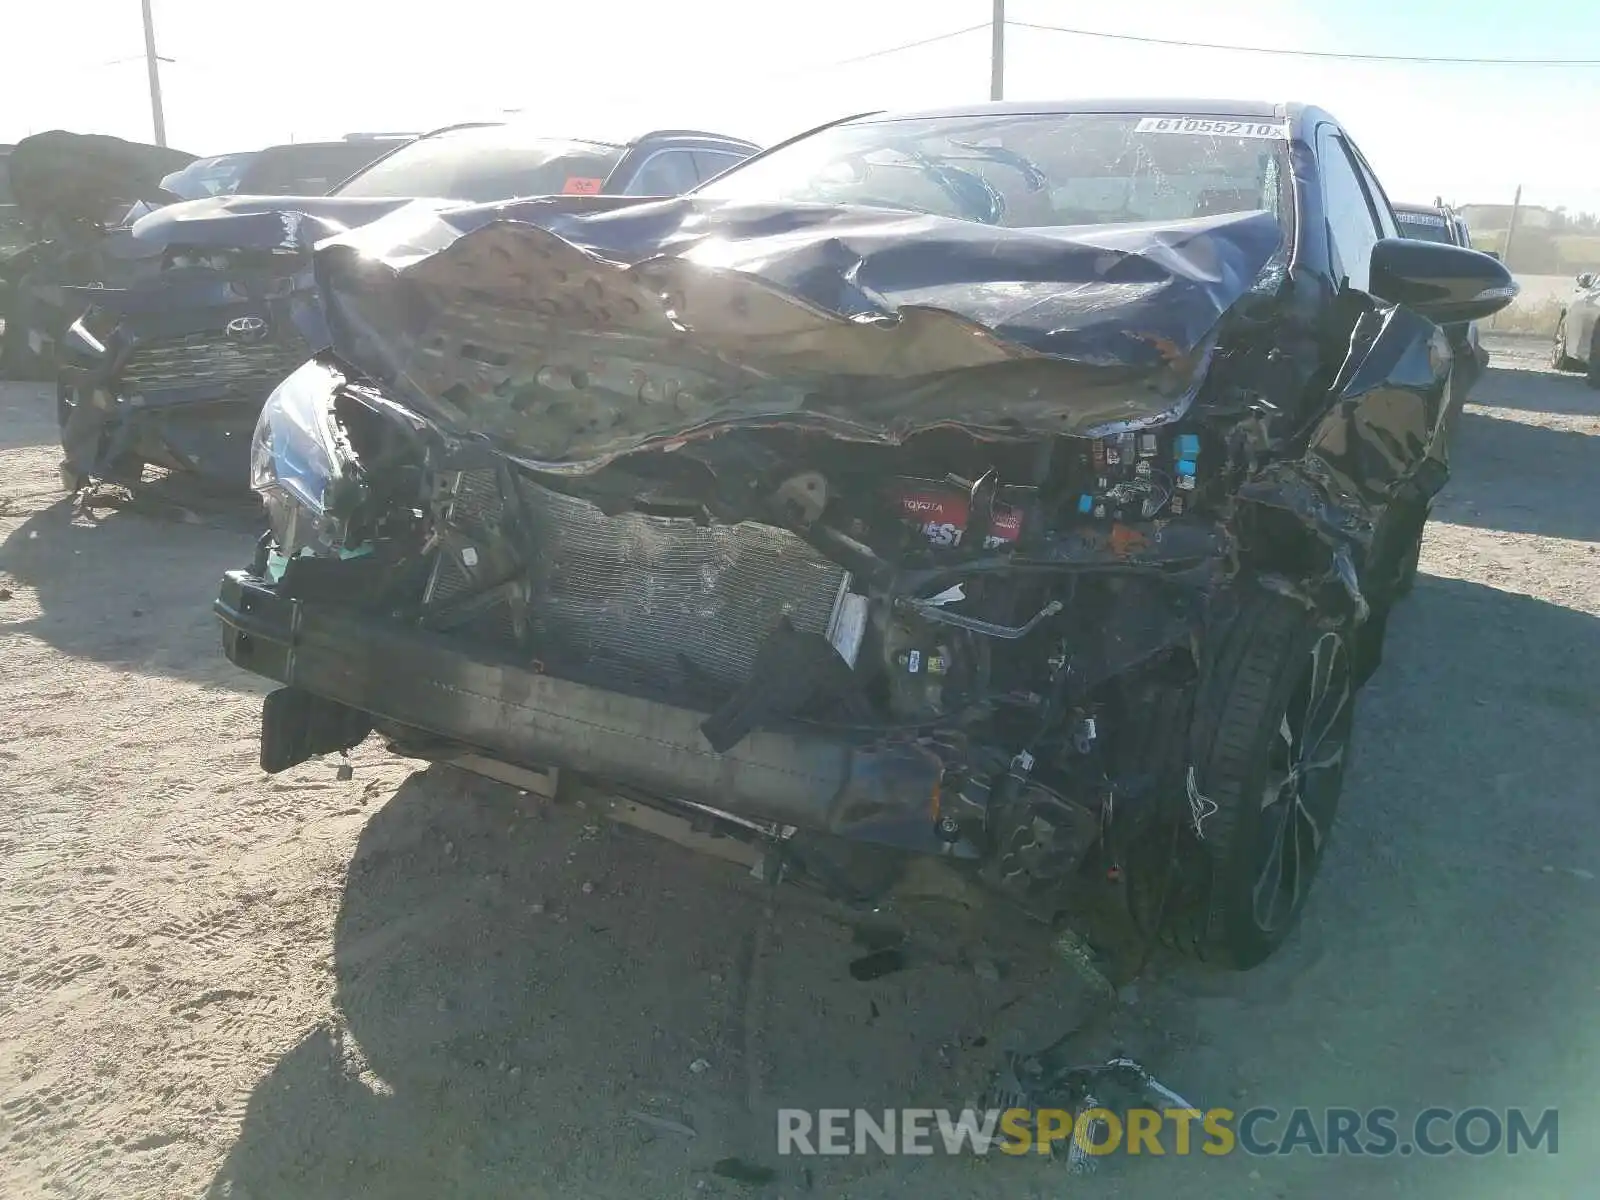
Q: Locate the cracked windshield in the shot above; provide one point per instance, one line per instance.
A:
(1030, 170)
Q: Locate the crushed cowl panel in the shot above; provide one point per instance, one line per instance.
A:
(576, 334)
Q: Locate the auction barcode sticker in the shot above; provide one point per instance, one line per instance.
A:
(1211, 127)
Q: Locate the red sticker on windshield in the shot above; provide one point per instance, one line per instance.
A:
(578, 185)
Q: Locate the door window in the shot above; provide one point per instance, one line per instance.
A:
(711, 163)
(1387, 225)
(1352, 228)
(665, 173)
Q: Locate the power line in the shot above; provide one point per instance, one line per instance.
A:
(818, 68)
(871, 54)
(1394, 58)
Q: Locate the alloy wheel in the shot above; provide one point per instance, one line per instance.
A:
(1304, 776)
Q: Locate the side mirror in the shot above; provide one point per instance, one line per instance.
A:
(1446, 284)
(1586, 281)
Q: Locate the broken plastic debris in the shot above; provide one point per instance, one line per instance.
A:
(848, 626)
(662, 1123)
(740, 1171)
(1043, 1081)
(878, 964)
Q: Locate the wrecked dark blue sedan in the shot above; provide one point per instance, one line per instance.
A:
(1025, 485)
(172, 370)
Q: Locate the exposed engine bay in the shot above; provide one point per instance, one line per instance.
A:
(1022, 617)
(1029, 489)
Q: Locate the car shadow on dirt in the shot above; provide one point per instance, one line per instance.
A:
(514, 982)
(1536, 391)
(1522, 478)
(1444, 957)
(128, 578)
(27, 414)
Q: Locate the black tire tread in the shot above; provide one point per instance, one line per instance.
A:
(1238, 694)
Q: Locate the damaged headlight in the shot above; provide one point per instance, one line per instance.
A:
(296, 454)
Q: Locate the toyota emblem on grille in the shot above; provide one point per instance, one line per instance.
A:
(247, 329)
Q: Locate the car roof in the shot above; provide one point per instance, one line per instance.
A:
(394, 139)
(1300, 117)
(1431, 209)
(607, 137)
(1165, 105)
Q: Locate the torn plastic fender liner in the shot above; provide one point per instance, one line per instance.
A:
(577, 335)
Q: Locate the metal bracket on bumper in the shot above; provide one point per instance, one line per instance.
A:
(884, 791)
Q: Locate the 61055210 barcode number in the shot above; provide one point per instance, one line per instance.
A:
(1210, 126)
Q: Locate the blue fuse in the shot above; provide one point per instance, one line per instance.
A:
(1085, 503)
(1186, 466)
(1186, 445)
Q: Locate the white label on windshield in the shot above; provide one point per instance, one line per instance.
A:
(1211, 127)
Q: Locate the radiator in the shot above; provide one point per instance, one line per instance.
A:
(645, 599)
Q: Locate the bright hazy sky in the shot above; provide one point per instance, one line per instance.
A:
(247, 75)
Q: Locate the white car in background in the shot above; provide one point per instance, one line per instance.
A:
(1577, 341)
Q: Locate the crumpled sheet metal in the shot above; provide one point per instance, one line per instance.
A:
(679, 316)
(1384, 422)
(258, 222)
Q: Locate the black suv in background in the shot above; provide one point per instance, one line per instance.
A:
(292, 169)
(1440, 223)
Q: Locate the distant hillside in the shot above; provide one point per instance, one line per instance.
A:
(1549, 241)
(1541, 252)
(1537, 307)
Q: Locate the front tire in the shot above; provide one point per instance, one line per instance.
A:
(1270, 738)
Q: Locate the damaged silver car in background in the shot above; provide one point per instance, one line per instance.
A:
(1026, 485)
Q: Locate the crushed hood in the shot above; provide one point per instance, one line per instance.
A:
(575, 332)
(83, 176)
(257, 222)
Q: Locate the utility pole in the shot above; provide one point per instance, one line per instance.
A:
(1511, 227)
(997, 52)
(152, 67)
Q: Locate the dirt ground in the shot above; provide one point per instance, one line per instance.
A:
(416, 983)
